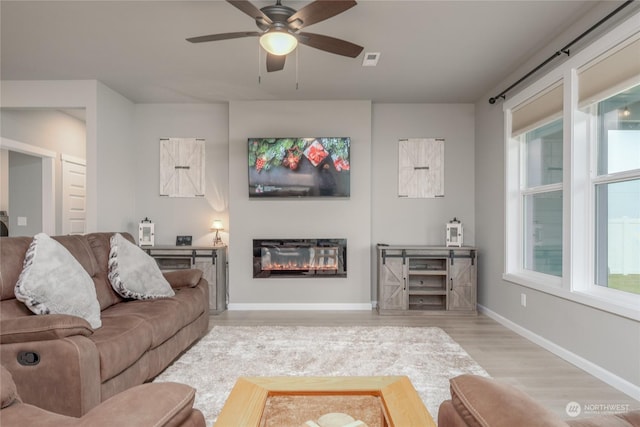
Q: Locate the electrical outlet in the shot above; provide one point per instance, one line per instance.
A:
(523, 300)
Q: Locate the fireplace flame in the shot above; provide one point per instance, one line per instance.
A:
(298, 267)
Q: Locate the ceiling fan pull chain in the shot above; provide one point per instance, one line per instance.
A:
(297, 54)
(259, 71)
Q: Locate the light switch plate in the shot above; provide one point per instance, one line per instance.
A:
(22, 220)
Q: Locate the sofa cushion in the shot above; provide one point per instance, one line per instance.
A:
(12, 250)
(121, 341)
(183, 278)
(100, 246)
(52, 281)
(484, 402)
(8, 392)
(165, 316)
(83, 249)
(133, 273)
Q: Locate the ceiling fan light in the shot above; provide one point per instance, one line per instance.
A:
(278, 42)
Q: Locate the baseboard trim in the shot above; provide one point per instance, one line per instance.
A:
(597, 371)
(299, 306)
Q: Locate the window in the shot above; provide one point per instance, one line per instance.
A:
(572, 170)
(616, 187)
(537, 196)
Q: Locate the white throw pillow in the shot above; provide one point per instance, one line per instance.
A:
(133, 273)
(52, 281)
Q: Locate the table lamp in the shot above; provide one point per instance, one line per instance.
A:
(217, 226)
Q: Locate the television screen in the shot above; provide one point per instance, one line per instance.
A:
(299, 167)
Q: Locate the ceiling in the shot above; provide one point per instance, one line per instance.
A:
(431, 51)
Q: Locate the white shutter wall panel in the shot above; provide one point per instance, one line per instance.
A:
(421, 167)
(182, 167)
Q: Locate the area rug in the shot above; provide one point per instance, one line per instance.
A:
(428, 356)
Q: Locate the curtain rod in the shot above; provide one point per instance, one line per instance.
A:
(565, 50)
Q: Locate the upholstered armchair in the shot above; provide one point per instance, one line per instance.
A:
(158, 405)
(484, 402)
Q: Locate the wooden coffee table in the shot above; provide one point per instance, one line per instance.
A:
(397, 399)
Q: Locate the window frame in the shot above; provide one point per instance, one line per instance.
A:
(578, 188)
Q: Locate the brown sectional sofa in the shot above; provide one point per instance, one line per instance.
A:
(484, 402)
(78, 367)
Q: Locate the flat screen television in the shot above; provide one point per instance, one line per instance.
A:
(299, 167)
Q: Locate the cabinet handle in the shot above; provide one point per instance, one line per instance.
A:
(405, 284)
(451, 284)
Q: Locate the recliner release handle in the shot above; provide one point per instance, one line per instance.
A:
(28, 358)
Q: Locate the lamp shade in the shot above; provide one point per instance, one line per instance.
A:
(278, 42)
(217, 225)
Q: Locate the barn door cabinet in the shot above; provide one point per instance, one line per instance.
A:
(211, 260)
(426, 279)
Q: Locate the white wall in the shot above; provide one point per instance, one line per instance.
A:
(300, 218)
(49, 129)
(45, 128)
(422, 221)
(115, 161)
(174, 216)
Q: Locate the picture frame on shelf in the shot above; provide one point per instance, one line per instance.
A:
(183, 240)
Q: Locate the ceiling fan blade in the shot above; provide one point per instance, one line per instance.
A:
(330, 44)
(275, 62)
(320, 10)
(248, 8)
(223, 36)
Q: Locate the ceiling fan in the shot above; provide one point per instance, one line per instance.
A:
(280, 29)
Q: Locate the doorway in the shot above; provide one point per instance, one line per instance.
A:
(28, 188)
(51, 136)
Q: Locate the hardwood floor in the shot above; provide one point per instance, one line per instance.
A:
(504, 354)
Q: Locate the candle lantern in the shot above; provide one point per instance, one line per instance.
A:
(146, 232)
(454, 233)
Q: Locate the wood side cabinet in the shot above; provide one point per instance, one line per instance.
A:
(212, 260)
(426, 279)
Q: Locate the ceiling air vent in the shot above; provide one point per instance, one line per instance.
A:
(370, 59)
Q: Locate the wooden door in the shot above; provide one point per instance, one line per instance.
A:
(392, 284)
(462, 284)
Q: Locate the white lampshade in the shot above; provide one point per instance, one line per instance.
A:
(217, 225)
(278, 42)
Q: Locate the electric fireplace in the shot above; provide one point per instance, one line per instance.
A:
(299, 258)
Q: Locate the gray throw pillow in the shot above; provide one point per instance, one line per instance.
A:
(133, 273)
(52, 281)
